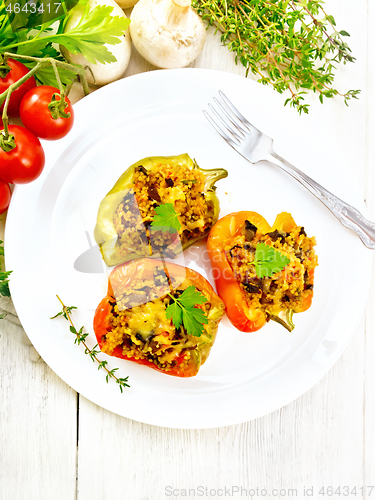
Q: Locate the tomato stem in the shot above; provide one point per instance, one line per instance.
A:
(61, 88)
(57, 108)
(5, 96)
(41, 63)
(7, 143)
(79, 70)
(4, 66)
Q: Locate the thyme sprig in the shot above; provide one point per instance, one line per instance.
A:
(81, 339)
(292, 45)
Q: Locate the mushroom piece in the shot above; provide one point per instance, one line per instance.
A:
(248, 230)
(99, 73)
(125, 4)
(167, 33)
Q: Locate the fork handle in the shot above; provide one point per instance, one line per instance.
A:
(345, 213)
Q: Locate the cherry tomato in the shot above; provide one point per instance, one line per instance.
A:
(26, 161)
(5, 194)
(37, 117)
(17, 71)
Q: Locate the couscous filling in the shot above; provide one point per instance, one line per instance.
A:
(284, 290)
(179, 185)
(140, 328)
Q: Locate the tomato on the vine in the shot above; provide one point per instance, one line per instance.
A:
(17, 71)
(42, 113)
(5, 194)
(25, 162)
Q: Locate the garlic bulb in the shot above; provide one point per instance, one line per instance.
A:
(99, 73)
(167, 33)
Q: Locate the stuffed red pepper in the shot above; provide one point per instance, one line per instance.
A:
(144, 317)
(253, 295)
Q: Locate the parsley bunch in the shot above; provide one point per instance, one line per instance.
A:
(292, 45)
(95, 29)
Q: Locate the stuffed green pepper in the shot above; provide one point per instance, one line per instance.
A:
(173, 186)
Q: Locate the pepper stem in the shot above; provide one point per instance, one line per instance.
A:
(212, 176)
(284, 318)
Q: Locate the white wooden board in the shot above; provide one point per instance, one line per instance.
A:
(325, 438)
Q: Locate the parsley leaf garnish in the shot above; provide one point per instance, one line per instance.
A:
(174, 312)
(183, 311)
(166, 218)
(268, 261)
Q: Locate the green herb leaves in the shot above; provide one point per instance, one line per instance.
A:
(166, 218)
(183, 311)
(66, 310)
(81, 337)
(268, 261)
(293, 46)
(4, 281)
(95, 28)
(45, 75)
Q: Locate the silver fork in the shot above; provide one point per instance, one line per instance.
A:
(255, 146)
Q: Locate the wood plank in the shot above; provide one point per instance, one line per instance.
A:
(38, 417)
(38, 422)
(369, 402)
(313, 442)
(324, 438)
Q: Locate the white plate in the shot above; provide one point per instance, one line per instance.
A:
(160, 113)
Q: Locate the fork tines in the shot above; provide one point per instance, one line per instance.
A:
(227, 120)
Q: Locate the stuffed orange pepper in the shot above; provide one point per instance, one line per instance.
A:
(261, 272)
(158, 314)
